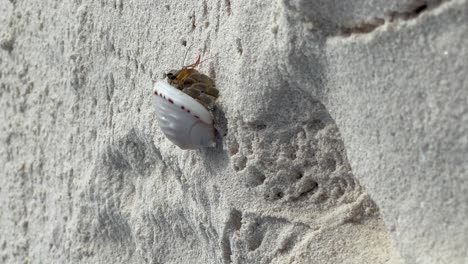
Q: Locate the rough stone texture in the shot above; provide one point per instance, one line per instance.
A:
(346, 142)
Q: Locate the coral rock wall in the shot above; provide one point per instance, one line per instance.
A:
(344, 132)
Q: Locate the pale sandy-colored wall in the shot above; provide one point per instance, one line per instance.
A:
(347, 132)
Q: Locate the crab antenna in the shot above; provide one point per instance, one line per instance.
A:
(186, 52)
(209, 58)
(194, 64)
(199, 61)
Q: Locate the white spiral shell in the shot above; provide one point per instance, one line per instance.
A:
(183, 120)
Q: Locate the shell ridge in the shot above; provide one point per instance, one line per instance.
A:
(178, 98)
(183, 120)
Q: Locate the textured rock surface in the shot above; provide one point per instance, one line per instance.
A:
(347, 132)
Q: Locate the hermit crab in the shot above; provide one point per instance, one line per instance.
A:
(184, 101)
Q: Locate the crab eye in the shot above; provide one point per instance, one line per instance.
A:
(170, 76)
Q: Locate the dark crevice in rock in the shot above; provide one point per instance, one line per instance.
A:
(368, 26)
